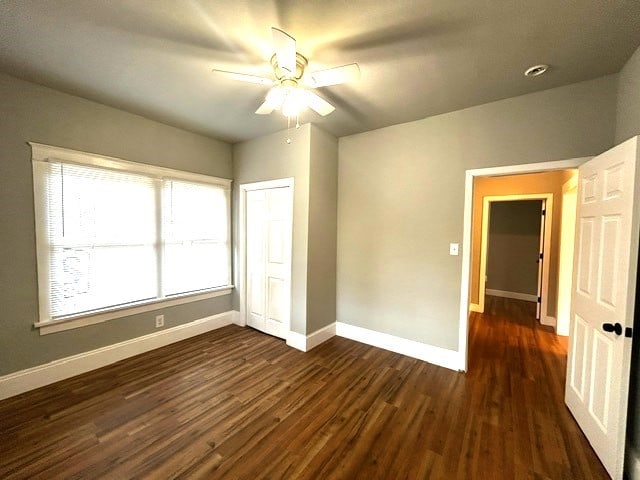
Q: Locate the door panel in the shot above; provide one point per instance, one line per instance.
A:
(601, 366)
(605, 267)
(588, 189)
(278, 262)
(276, 241)
(608, 278)
(613, 181)
(579, 340)
(585, 255)
(256, 209)
(277, 295)
(269, 228)
(256, 295)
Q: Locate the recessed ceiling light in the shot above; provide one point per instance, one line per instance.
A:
(536, 70)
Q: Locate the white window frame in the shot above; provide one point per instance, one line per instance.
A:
(40, 154)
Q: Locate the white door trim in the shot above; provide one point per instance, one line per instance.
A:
(463, 332)
(242, 236)
(548, 222)
(567, 242)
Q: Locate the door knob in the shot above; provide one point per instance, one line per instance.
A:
(611, 327)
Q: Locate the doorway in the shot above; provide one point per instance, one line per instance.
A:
(547, 186)
(266, 214)
(515, 242)
(468, 221)
(603, 290)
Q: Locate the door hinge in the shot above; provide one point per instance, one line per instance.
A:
(541, 256)
(539, 299)
(544, 212)
(628, 332)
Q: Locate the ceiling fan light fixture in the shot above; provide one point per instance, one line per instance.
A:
(295, 101)
(290, 92)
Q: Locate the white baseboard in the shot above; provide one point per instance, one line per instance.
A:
(236, 319)
(321, 336)
(633, 464)
(475, 307)
(438, 356)
(548, 321)
(515, 295)
(297, 341)
(36, 377)
(305, 343)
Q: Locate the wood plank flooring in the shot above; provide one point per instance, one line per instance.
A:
(236, 404)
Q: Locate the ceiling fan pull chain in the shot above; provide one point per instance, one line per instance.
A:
(288, 130)
(297, 121)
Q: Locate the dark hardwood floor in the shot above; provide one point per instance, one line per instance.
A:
(234, 403)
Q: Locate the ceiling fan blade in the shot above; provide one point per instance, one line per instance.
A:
(285, 47)
(319, 104)
(242, 77)
(264, 109)
(333, 76)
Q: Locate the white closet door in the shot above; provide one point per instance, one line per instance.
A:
(269, 228)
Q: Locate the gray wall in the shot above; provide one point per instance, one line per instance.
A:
(29, 112)
(270, 158)
(628, 104)
(513, 246)
(323, 211)
(401, 196)
(628, 125)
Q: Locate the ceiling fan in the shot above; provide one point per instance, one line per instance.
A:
(290, 88)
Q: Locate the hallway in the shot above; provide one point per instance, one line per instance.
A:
(523, 410)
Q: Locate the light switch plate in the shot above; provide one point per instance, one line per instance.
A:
(454, 248)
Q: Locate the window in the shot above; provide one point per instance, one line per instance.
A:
(113, 234)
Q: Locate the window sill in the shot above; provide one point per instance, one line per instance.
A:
(82, 320)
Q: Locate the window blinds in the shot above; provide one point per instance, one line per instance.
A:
(114, 237)
(101, 235)
(196, 237)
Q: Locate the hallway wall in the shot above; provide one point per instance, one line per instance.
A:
(513, 246)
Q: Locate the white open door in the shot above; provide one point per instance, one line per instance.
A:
(604, 283)
(268, 259)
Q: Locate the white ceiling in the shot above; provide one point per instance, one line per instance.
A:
(417, 58)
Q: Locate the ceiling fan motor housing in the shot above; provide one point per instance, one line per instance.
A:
(301, 64)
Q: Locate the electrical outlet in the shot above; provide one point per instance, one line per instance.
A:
(159, 321)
